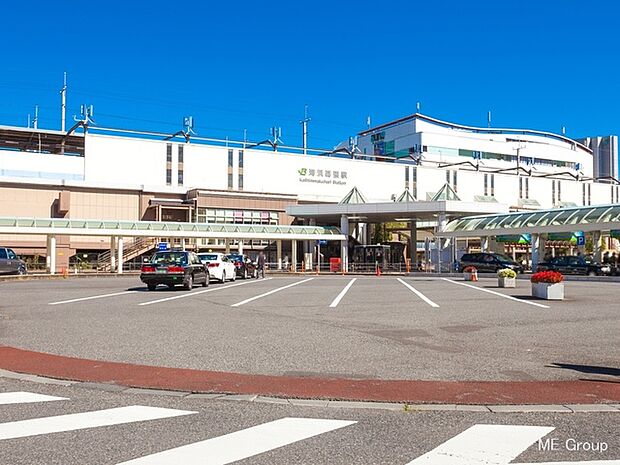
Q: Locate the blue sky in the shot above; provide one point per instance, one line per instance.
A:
(235, 65)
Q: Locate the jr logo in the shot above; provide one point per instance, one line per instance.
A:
(302, 171)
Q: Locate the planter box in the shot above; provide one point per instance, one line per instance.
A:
(548, 291)
(470, 276)
(506, 282)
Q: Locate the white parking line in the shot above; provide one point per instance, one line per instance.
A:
(342, 293)
(77, 421)
(190, 294)
(273, 291)
(497, 293)
(92, 297)
(243, 444)
(25, 398)
(419, 294)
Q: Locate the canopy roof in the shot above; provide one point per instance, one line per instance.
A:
(76, 227)
(589, 218)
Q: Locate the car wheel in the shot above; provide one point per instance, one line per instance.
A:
(234, 276)
(151, 287)
(205, 281)
(223, 277)
(189, 284)
(21, 270)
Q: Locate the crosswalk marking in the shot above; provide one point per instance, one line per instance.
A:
(242, 444)
(273, 291)
(488, 444)
(419, 294)
(76, 421)
(342, 293)
(25, 398)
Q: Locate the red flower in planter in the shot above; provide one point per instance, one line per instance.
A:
(550, 277)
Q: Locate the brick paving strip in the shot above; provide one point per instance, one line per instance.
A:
(409, 391)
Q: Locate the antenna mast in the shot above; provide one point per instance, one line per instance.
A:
(304, 125)
(63, 103)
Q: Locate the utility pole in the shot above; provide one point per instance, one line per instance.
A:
(304, 125)
(35, 121)
(63, 103)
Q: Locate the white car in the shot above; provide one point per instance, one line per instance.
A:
(219, 265)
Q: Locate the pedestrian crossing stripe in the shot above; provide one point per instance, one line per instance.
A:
(243, 444)
(78, 421)
(25, 398)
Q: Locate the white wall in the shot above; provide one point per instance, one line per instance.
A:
(31, 165)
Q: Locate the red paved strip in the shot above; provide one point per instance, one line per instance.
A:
(415, 392)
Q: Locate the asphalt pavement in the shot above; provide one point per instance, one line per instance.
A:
(200, 429)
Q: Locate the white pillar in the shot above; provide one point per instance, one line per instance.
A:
(227, 242)
(51, 254)
(279, 253)
(485, 243)
(294, 255)
(535, 251)
(344, 245)
(112, 254)
(183, 243)
(240, 247)
(120, 255)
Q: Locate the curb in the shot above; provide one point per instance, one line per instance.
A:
(320, 390)
(339, 404)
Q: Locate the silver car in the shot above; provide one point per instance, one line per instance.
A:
(10, 263)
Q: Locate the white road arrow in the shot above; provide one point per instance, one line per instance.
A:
(492, 445)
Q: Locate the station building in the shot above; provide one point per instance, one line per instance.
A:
(104, 173)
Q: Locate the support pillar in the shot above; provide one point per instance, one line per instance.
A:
(51, 254)
(240, 247)
(183, 244)
(597, 245)
(441, 225)
(485, 243)
(279, 253)
(120, 255)
(294, 255)
(344, 245)
(413, 253)
(112, 254)
(535, 251)
(227, 245)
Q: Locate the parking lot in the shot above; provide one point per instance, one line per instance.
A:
(356, 327)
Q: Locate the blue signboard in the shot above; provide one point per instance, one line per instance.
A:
(163, 246)
(581, 240)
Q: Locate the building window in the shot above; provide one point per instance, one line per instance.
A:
(180, 154)
(489, 185)
(168, 176)
(240, 158)
(180, 177)
(553, 200)
(414, 181)
(230, 168)
(486, 184)
(406, 177)
(169, 153)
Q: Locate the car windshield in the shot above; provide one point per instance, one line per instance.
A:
(235, 257)
(169, 258)
(503, 258)
(208, 257)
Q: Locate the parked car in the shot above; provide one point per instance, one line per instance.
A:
(575, 264)
(10, 263)
(219, 265)
(489, 262)
(173, 268)
(245, 267)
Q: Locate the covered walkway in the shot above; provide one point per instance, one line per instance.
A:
(118, 230)
(597, 220)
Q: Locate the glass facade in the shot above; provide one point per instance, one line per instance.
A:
(226, 216)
